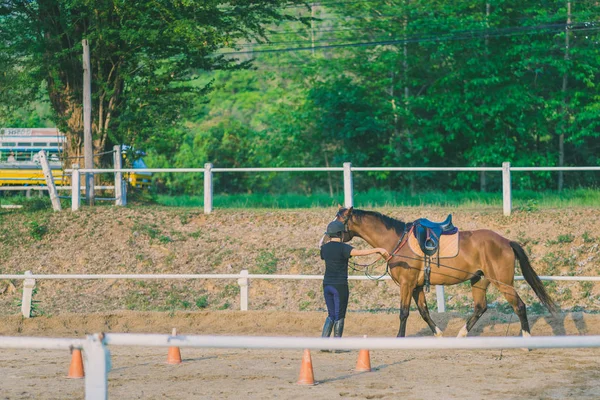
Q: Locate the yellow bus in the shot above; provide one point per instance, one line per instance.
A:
(19, 155)
(19, 158)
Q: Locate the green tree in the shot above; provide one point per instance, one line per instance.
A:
(144, 56)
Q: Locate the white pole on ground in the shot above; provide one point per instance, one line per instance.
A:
(354, 343)
(208, 188)
(49, 180)
(243, 282)
(117, 162)
(506, 190)
(75, 188)
(348, 190)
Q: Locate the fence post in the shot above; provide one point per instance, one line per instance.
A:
(243, 282)
(118, 164)
(348, 190)
(441, 298)
(75, 188)
(97, 364)
(506, 190)
(28, 285)
(208, 188)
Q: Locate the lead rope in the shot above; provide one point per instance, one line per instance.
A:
(387, 260)
(506, 334)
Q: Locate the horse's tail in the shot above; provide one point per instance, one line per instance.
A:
(532, 278)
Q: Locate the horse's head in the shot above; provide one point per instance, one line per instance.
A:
(344, 215)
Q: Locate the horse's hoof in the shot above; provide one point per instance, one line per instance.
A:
(463, 332)
(526, 335)
(438, 333)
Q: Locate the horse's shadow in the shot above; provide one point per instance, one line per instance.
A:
(184, 360)
(376, 368)
(556, 322)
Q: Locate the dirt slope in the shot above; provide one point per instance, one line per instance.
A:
(153, 240)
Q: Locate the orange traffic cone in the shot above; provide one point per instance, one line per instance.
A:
(174, 356)
(76, 367)
(364, 361)
(306, 371)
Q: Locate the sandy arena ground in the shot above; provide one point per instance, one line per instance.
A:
(142, 373)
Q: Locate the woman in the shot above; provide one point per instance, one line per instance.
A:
(335, 283)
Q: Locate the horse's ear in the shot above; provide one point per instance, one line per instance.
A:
(350, 210)
(340, 206)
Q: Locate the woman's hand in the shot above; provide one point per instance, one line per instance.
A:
(385, 254)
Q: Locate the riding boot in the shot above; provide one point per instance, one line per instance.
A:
(327, 328)
(338, 330)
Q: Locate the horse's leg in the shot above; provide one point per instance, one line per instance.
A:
(478, 289)
(419, 297)
(405, 297)
(518, 306)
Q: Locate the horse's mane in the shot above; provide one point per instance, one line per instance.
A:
(389, 222)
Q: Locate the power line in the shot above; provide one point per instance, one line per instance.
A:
(341, 20)
(463, 35)
(329, 3)
(381, 32)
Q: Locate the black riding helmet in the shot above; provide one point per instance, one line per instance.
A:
(335, 229)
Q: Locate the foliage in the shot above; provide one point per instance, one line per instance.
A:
(266, 263)
(523, 201)
(37, 230)
(418, 84)
(144, 59)
(202, 301)
(33, 204)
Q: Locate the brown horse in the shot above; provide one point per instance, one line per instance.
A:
(484, 257)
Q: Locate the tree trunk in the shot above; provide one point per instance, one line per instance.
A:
(71, 113)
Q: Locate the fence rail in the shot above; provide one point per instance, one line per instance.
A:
(347, 170)
(243, 280)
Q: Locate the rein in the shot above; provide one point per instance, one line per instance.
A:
(366, 269)
(402, 241)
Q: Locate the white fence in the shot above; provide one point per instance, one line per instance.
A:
(243, 280)
(97, 361)
(347, 170)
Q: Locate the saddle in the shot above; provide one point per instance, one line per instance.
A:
(425, 242)
(428, 233)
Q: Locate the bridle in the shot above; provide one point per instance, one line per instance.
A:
(345, 219)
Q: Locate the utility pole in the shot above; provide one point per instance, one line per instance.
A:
(482, 176)
(312, 27)
(88, 146)
(561, 137)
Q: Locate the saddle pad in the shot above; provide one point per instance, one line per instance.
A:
(448, 247)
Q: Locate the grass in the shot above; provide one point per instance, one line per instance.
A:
(527, 201)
